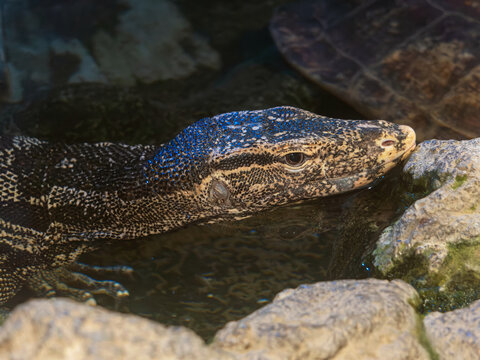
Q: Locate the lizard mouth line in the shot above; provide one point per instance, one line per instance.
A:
(375, 169)
(407, 152)
(368, 176)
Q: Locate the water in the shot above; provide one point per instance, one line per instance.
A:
(205, 276)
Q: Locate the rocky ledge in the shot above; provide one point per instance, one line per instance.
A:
(448, 216)
(348, 319)
(435, 245)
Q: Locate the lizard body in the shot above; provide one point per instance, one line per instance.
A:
(59, 201)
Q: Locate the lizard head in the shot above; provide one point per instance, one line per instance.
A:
(240, 163)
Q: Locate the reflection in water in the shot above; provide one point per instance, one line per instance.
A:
(205, 276)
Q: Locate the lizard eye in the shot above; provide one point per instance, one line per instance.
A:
(295, 159)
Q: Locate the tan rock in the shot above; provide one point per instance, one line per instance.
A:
(455, 334)
(62, 329)
(449, 215)
(348, 319)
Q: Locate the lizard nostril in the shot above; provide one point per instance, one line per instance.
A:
(387, 143)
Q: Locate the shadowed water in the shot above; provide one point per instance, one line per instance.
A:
(205, 276)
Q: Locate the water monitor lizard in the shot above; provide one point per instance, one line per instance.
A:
(58, 201)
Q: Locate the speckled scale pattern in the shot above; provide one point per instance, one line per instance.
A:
(58, 201)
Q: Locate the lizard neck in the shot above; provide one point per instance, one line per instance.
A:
(131, 191)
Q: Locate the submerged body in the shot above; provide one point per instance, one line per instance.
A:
(58, 201)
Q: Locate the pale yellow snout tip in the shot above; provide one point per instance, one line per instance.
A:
(409, 140)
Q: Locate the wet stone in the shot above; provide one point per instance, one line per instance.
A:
(443, 227)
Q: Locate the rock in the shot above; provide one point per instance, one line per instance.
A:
(48, 45)
(436, 225)
(152, 41)
(62, 329)
(455, 334)
(348, 319)
(365, 319)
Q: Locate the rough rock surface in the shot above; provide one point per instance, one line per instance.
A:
(455, 334)
(44, 45)
(449, 215)
(62, 329)
(348, 319)
(145, 48)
